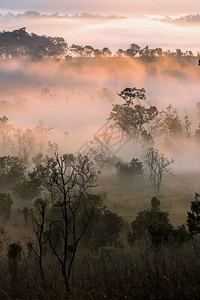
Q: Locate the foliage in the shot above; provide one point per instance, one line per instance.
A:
(19, 43)
(129, 170)
(193, 218)
(169, 123)
(104, 229)
(14, 250)
(11, 171)
(26, 143)
(14, 254)
(6, 130)
(154, 225)
(132, 119)
(28, 188)
(130, 94)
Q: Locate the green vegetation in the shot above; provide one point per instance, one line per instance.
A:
(71, 231)
(20, 44)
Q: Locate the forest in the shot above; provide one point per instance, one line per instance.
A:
(99, 171)
(91, 225)
(20, 44)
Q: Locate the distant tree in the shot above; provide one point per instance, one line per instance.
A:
(26, 143)
(40, 52)
(14, 254)
(77, 50)
(5, 131)
(179, 52)
(169, 53)
(104, 229)
(156, 166)
(189, 53)
(158, 52)
(23, 144)
(106, 52)
(28, 188)
(187, 126)
(131, 94)
(153, 226)
(168, 122)
(88, 51)
(132, 119)
(129, 170)
(133, 50)
(11, 172)
(146, 52)
(97, 53)
(121, 53)
(193, 217)
(19, 43)
(58, 46)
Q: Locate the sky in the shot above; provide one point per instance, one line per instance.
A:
(106, 6)
(113, 33)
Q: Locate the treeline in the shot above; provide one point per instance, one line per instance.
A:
(37, 15)
(20, 44)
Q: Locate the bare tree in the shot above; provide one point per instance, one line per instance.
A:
(39, 227)
(156, 165)
(67, 179)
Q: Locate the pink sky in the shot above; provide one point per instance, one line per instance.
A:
(119, 6)
(113, 33)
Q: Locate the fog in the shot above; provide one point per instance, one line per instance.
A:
(92, 223)
(114, 33)
(78, 104)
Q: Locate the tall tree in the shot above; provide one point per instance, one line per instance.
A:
(133, 118)
(68, 180)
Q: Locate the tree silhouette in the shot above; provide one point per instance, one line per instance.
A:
(67, 179)
(156, 166)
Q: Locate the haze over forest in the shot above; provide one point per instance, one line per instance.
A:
(99, 156)
(119, 30)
